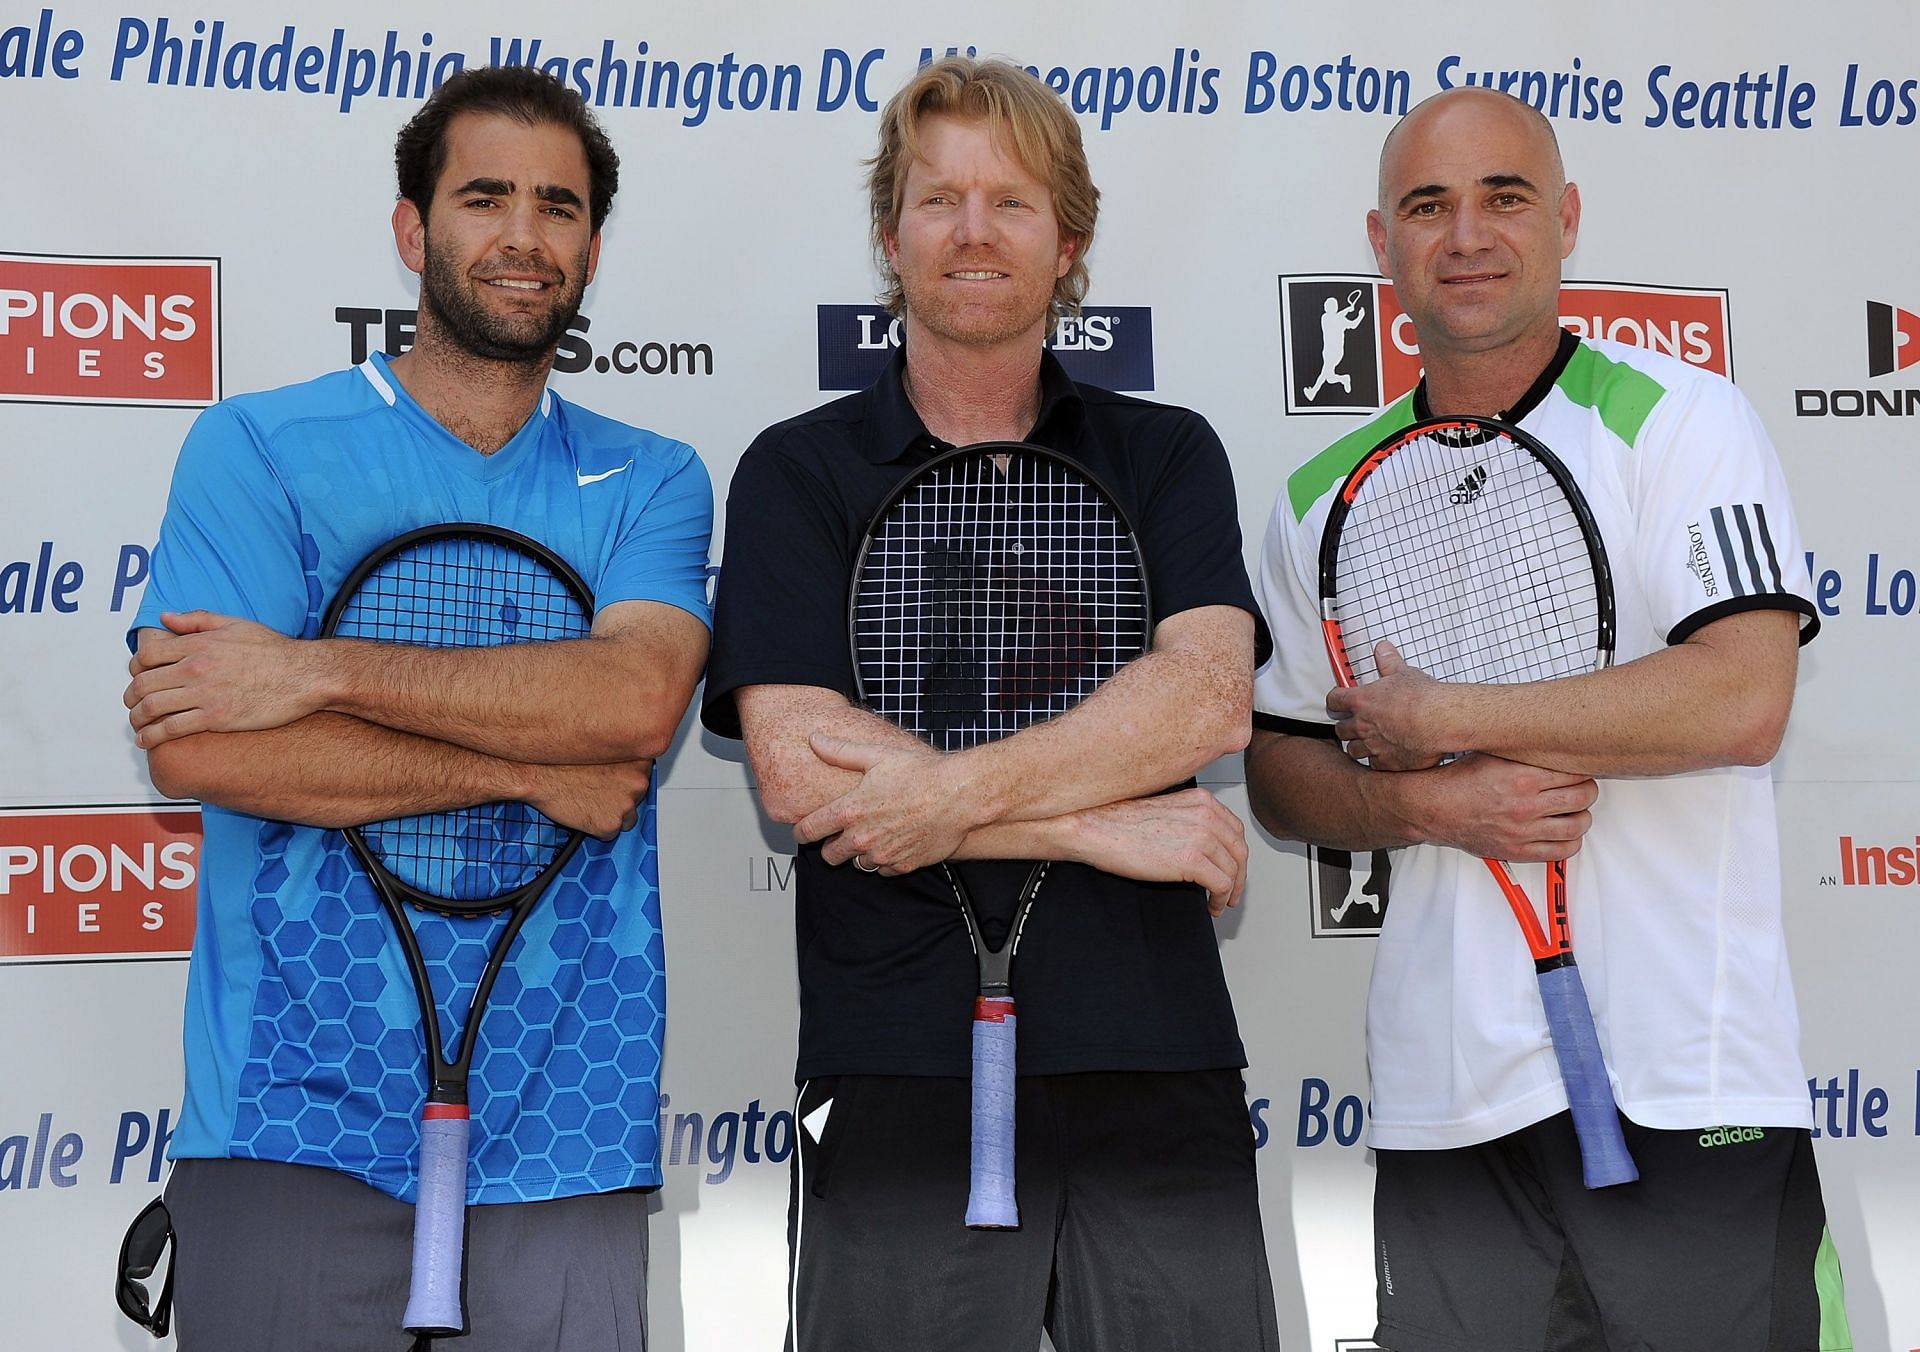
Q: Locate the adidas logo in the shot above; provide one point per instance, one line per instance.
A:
(1730, 1136)
(1468, 489)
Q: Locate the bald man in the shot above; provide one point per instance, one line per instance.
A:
(1650, 776)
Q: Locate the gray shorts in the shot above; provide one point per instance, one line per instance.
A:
(286, 1258)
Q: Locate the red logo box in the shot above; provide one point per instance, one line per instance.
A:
(93, 884)
(110, 330)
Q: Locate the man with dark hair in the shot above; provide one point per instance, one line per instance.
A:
(1134, 1155)
(1484, 1235)
(297, 1152)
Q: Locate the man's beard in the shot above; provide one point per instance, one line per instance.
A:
(469, 325)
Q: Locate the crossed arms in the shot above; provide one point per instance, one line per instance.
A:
(1719, 698)
(1077, 788)
(336, 732)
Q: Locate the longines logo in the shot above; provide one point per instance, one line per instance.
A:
(1349, 895)
(1108, 345)
(1348, 347)
(1893, 344)
(392, 332)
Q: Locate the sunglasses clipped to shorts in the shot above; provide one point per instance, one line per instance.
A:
(146, 1246)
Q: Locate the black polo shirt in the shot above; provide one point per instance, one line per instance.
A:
(1112, 974)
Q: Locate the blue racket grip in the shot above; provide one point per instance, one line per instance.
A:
(1604, 1159)
(990, 1204)
(439, 1222)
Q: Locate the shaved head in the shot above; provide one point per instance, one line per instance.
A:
(1452, 105)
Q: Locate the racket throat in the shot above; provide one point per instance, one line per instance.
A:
(1553, 962)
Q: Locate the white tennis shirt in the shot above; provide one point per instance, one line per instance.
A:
(1674, 897)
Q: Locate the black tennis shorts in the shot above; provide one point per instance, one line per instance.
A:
(1140, 1219)
(1721, 1246)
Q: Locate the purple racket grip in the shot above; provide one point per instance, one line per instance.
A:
(439, 1222)
(1604, 1159)
(990, 1204)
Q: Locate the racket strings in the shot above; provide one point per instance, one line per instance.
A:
(999, 591)
(456, 591)
(1472, 560)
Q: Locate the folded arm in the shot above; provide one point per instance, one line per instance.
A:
(615, 696)
(1160, 719)
(809, 747)
(1719, 698)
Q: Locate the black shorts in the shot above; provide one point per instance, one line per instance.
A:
(1721, 1246)
(288, 1258)
(1140, 1219)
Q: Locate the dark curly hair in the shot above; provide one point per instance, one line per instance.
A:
(530, 97)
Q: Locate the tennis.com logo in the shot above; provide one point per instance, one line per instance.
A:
(1348, 347)
(1349, 895)
(1893, 344)
(97, 884)
(1110, 346)
(142, 331)
(392, 332)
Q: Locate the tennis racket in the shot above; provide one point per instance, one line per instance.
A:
(1466, 543)
(457, 586)
(998, 586)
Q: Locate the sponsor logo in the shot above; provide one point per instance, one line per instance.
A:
(1348, 347)
(1110, 346)
(1347, 900)
(1893, 338)
(1863, 865)
(392, 332)
(102, 884)
(1893, 344)
(1697, 561)
(142, 331)
(1739, 540)
(1730, 1136)
(586, 479)
(1468, 489)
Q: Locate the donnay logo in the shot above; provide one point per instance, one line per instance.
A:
(142, 331)
(1349, 893)
(97, 884)
(1893, 344)
(1109, 345)
(1893, 338)
(1348, 347)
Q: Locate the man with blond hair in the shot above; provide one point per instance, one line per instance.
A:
(1135, 1168)
(1484, 1237)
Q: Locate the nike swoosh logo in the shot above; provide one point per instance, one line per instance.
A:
(586, 479)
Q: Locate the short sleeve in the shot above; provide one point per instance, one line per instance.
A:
(1715, 532)
(1189, 528)
(780, 613)
(660, 551)
(231, 540)
(1290, 688)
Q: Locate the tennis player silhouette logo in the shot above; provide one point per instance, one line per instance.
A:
(1336, 322)
(1347, 902)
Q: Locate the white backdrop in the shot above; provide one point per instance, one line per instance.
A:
(1763, 155)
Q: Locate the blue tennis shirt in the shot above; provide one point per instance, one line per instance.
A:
(303, 1038)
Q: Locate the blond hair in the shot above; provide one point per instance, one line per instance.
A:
(1025, 118)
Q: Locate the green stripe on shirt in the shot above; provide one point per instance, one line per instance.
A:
(1306, 485)
(1621, 394)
